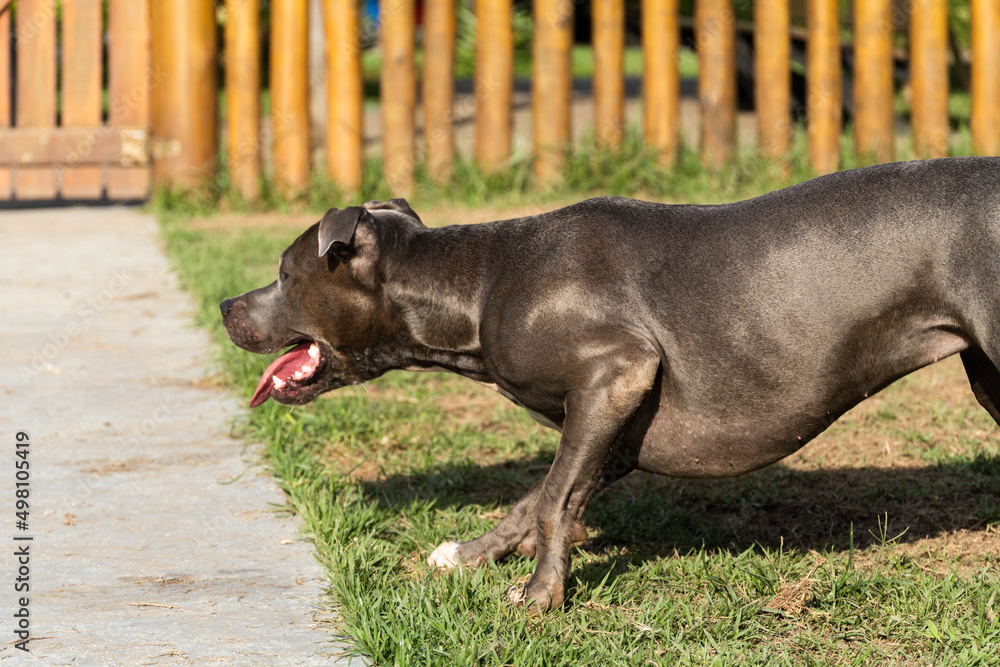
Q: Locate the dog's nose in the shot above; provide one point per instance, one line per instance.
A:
(226, 306)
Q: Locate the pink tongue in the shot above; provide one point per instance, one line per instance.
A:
(283, 367)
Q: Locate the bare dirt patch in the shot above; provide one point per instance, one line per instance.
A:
(793, 595)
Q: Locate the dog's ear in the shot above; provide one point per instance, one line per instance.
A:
(350, 235)
(338, 227)
(399, 205)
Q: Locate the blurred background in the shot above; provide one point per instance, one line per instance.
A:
(257, 101)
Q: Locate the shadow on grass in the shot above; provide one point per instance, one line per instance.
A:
(654, 516)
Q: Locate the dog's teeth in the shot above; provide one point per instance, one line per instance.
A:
(298, 375)
(314, 351)
(278, 382)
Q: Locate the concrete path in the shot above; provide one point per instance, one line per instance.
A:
(142, 553)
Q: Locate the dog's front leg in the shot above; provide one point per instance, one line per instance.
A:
(598, 416)
(517, 531)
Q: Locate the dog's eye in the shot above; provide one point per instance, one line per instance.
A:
(283, 275)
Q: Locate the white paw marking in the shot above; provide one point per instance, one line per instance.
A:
(446, 555)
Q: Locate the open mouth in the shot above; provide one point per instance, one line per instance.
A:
(293, 370)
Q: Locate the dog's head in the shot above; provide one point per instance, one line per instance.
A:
(327, 303)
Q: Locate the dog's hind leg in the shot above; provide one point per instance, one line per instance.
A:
(984, 378)
(497, 543)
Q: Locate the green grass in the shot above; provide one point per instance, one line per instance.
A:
(794, 564)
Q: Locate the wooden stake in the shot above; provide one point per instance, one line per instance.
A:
(243, 95)
(986, 77)
(494, 85)
(6, 175)
(552, 86)
(609, 71)
(36, 88)
(823, 86)
(345, 95)
(773, 77)
(131, 84)
(290, 93)
(875, 119)
(661, 86)
(929, 66)
(399, 94)
(184, 91)
(715, 32)
(81, 90)
(439, 86)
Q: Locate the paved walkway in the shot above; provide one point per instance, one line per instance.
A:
(142, 553)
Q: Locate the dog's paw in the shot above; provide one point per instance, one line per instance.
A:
(537, 601)
(446, 556)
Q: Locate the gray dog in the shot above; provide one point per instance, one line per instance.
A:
(691, 341)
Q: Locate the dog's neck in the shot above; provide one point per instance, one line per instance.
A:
(434, 286)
